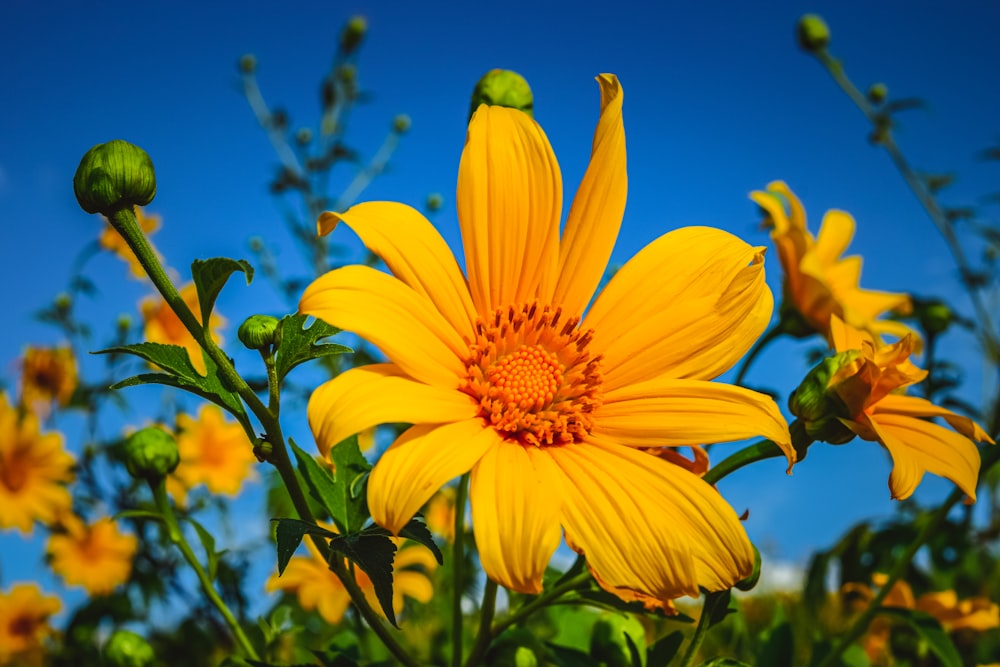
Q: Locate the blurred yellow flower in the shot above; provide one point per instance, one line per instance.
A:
(34, 470)
(310, 579)
(869, 384)
(818, 281)
(97, 557)
(163, 325)
(24, 624)
(113, 241)
(440, 514)
(214, 452)
(977, 614)
(47, 374)
(498, 375)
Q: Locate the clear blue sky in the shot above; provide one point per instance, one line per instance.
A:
(718, 101)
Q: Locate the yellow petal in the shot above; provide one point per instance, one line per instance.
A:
(515, 513)
(509, 202)
(674, 413)
(405, 325)
(835, 234)
(648, 526)
(422, 460)
(415, 253)
(596, 214)
(914, 406)
(688, 305)
(367, 396)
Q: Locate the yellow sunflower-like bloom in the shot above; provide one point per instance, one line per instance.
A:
(47, 374)
(163, 325)
(310, 579)
(818, 281)
(97, 557)
(440, 513)
(214, 452)
(24, 624)
(34, 471)
(500, 375)
(111, 240)
(868, 383)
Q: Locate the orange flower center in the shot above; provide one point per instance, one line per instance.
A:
(533, 376)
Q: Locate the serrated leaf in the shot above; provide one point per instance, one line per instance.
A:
(665, 649)
(350, 510)
(288, 535)
(319, 480)
(210, 275)
(374, 554)
(417, 531)
(299, 345)
(929, 629)
(208, 543)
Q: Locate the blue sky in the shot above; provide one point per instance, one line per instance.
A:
(718, 102)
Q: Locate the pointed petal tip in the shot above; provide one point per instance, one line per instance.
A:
(327, 222)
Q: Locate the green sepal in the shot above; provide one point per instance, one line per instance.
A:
(374, 554)
(210, 275)
(299, 345)
(288, 534)
(718, 606)
(929, 629)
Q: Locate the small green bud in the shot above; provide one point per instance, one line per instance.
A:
(818, 407)
(353, 34)
(63, 302)
(935, 316)
(348, 74)
(114, 176)
(813, 33)
(124, 322)
(248, 63)
(434, 201)
(525, 657)
(401, 123)
(127, 649)
(503, 88)
(751, 581)
(304, 136)
(151, 453)
(877, 93)
(258, 331)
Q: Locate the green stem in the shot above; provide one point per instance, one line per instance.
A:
(484, 636)
(458, 571)
(759, 451)
(769, 336)
(712, 601)
(540, 602)
(176, 536)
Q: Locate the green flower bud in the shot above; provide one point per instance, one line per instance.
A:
(818, 407)
(503, 88)
(401, 123)
(248, 63)
(258, 331)
(434, 201)
(63, 302)
(127, 649)
(151, 453)
(751, 581)
(114, 176)
(124, 322)
(935, 316)
(813, 33)
(877, 93)
(353, 33)
(304, 136)
(607, 639)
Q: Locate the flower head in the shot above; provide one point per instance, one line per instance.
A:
(47, 374)
(112, 241)
(214, 452)
(34, 470)
(500, 373)
(819, 282)
(97, 556)
(163, 325)
(24, 624)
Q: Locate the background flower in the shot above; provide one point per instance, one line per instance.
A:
(111, 240)
(97, 556)
(24, 624)
(163, 326)
(47, 374)
(214, 452)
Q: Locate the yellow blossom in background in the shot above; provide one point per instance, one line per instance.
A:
(34, 471)
(113, 241)
(977, 614)
(818, 281)
(163, 326)
(869, 384)
(24, 624)
(500, 374)
(214, 452)
(97, 557)
(47, 374)
(440, 514)
(309, 578)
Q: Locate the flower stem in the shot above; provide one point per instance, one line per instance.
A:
(708, 610)
(759, 451)
(457, 571)
(540, 602)
(484, 636)
(769, 336)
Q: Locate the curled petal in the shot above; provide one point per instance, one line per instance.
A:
(913, 406)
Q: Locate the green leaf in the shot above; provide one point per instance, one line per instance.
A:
(138, 514)
(665, 649)
(929, 629)
(417, 531)
(571, 657)
(210, 275)
(319, 480)
(299, 345)
(717, 606)
(602, 599)
(374, 554)
(350, 509)
(208, 543)
(288, 535)
(779, 648)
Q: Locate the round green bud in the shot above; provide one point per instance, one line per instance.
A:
(503, 88)
(935, 316)
(434, 201)
(877, 93)
(608, 643)
(258, 331)
(813, 33)
(114, 176)
(401, 123)
(818, 407)
(303, 136)
(525, 657)
(127, 649)
(347, 74)
(248, 63)
(751, 581)
(353, 34)
(124, 322)
(151, 453)
(63, 301)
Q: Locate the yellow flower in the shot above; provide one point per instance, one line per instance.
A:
(977, 614)
(869, 384)
(47, 374)
(163, 325)
(97, 557)
(498, 375)
(818, 281)
(440, 514)
(214, 452)
(24, 624)
(113, 241)
(34, 469)
(310, 579)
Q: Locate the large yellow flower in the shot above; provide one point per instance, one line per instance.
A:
(163, 325)
(111, 240)
(47, 374)
(500, 375)
(34, 470)
(868, 383)
(818, 281)
(214, 452)
(97, 557)
(24, 624)
(310, 579)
